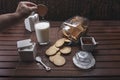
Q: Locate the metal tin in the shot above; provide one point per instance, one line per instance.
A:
(88, 43)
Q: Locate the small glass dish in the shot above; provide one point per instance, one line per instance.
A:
(88, 43)
(83, 60)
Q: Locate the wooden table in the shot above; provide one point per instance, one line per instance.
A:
(107, 55)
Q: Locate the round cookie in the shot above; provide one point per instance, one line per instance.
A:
(67, 40)
(59, 61)
(58, 53)
(52, 50)
(51, 58)
(65, 50)
(60, 42)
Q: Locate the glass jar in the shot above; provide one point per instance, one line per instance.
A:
(75, 27)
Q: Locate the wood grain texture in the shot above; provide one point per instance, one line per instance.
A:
(106, 54)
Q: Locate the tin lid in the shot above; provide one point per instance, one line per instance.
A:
(24, 43)
(83, 60)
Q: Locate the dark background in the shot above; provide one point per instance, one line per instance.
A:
(61, 10)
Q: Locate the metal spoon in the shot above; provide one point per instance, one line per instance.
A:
(38, 59)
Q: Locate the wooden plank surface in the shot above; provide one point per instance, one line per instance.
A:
(107, 54)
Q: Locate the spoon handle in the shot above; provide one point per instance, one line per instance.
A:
(38, 59)
(46, 67)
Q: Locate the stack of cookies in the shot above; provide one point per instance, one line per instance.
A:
(54, 52)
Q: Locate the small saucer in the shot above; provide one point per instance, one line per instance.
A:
(80, 64)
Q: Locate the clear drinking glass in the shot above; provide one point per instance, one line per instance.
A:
(42, 32)
(42, 27)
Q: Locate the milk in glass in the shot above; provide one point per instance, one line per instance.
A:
(42, 32)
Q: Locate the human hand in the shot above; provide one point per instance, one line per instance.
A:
(25, 8)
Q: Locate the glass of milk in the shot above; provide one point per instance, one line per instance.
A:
(42, 32)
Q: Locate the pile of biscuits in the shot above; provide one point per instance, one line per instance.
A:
(55, 52)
